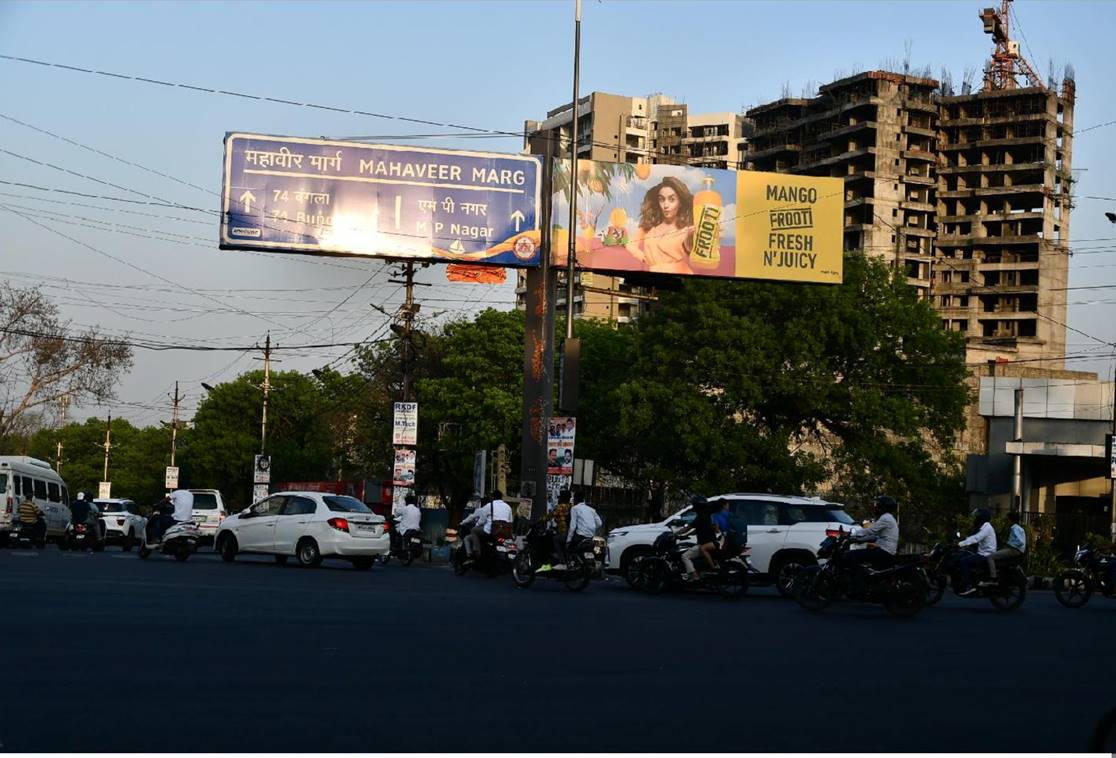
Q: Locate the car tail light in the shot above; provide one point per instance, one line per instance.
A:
(9, 506)
(340, 524)
(832, 533)
(387, 525)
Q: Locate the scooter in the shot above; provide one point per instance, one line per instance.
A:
(33, 534)
(180, 540)
(406, 547)
(82, 537)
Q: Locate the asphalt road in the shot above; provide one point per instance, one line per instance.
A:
(110, 653)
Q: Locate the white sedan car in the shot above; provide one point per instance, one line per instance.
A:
(308, 525)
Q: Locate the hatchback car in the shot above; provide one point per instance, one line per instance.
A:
(783, 532)
(122, 521)
(209, 512)
(307, 525)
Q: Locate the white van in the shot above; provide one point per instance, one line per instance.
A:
(22, 476)
(209, 512)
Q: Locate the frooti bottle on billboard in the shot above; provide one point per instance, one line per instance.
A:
(708, 208)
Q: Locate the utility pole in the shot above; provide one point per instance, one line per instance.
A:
(408, 326)
(174, 424)
(502, 468)
(1017, 462)
(571, 257)
(266, 391)
(64, 406)
(1112, 498)
(107, 446)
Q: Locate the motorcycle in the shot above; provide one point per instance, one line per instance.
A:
(33, 534)
(584, 558)
(943, 570)
(497, 555)
(901, 588)
(179, 540)
(1075, 586)
(406, 547)
(81, 537)
(663, 568)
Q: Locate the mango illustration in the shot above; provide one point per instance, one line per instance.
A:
(643, 170)
(618, 217)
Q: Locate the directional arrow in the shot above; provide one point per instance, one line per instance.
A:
(517, 217)
(248, 198)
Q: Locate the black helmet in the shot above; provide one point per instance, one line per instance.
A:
(980, 515)
(410, 500)
(887, 504)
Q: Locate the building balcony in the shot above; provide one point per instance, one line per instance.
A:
(1018, 189)
(917, 205)
(920, 155)
(1015, 266)
(1038, 139)
(835, 159)
(978, 168)
(786, 147)
(927, 181)
(921, 131)
(1011, 118)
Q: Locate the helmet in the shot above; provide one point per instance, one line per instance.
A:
(410, 500)
(886, 504)
(81, 496)
(981, 515)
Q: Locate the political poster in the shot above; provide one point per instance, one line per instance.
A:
(560, 446)
(403, 473)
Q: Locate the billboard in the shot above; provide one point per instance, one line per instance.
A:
(327, 197)
(692, 221)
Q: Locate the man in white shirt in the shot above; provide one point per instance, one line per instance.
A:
(183, 502)
(500, 517)
(985, 540)
(410, 518)
(476, 524)
(1016, 546)
(882, 536)
(584, 520)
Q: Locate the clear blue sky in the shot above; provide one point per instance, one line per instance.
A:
(489, 64)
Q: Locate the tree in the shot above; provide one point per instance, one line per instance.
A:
(786, 387)
(219, 450)
(43, 360)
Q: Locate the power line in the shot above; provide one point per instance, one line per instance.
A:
(156, 346)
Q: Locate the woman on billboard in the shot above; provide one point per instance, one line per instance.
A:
(666, 228)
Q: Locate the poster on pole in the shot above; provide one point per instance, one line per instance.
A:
(405, 429)
(259, 492)
(560, 446)
(104, 490)
(172, 477)
(261, 469)
(480, 469)
(403, 472)
(693, 221)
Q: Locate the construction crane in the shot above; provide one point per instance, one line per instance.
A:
(1007, 61)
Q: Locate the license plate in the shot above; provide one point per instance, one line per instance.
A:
(366, 527)
(416, 541)
(589, 556)
(199, 519)
(501, 549)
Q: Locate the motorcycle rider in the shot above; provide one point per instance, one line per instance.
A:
(882, 537)
(32, 518)
(584, 520)
(706, 532)
(1016, 547)
(475, 534)
(177, 508)
(410, 520)
(560, 523)
(82, 512)
(985, 540)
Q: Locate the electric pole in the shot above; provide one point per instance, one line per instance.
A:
(64, 406)
(571, 256)
(408, 326)
(1112, 498)
(266, 387)
(174, 424)
(107, 446)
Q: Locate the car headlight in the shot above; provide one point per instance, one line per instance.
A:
(613, 535)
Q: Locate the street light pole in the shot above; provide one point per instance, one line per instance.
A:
(571, 257)
(266, 390)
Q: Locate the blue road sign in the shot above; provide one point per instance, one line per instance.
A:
(324, 197)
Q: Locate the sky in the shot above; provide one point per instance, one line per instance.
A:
(155, 273)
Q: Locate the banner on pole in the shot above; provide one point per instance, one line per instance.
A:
(405, 430)
(560, 446)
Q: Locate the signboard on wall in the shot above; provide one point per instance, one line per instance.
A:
(692, 221)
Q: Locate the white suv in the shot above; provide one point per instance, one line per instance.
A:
(783, 532)
(209, 512)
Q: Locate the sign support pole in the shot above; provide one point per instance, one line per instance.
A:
(108, 446)
(174, 424)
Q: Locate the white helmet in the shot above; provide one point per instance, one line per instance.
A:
(81, 496)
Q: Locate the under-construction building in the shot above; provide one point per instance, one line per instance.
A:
(969, 194)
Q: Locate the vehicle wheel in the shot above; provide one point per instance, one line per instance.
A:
(128, 541)
(734, 583)
(1073, 589)
(144, 552)
(652, 575)
(786, 570)
(907, 599)
(935, 587)
(308, 553)
(182, 553)
(407, 558)
(1010, 596)
(580, 576)
(632, 572)
(815, 589)
(228, 548)
(360, 563)
(523, 570)
(384, 559)
(459, 566)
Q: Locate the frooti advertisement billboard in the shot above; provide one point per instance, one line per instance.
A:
(690, 221)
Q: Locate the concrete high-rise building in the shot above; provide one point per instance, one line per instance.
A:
(968, 195)
(620, 129)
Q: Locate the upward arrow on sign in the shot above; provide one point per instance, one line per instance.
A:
(247, 198)
(517, 217)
